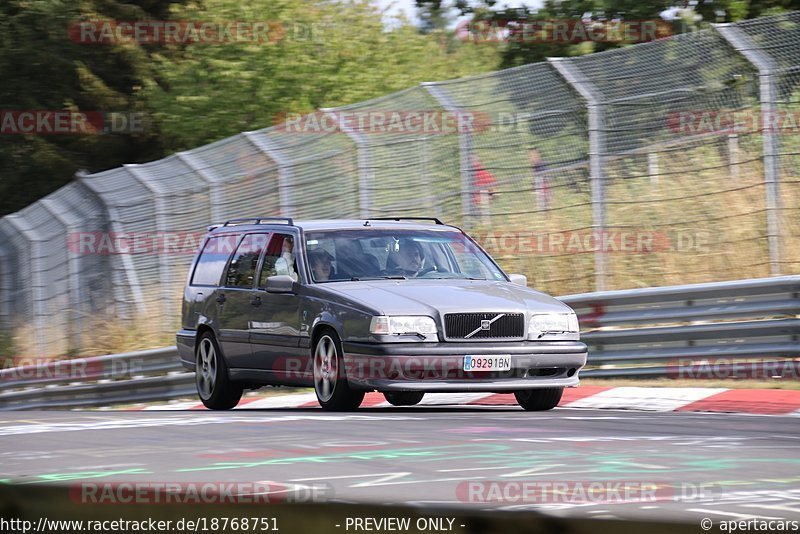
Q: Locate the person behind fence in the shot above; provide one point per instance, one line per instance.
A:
(406, 258)
(485, 182)
(541, 183)
(320, 262)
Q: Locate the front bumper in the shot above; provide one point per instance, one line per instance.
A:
(438, 367)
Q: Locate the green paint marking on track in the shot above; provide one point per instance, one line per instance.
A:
(60, 477)
(416, 453)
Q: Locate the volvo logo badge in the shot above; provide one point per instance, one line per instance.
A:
(486, 324)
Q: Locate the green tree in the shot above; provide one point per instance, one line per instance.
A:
(324, 54)
(44, 70)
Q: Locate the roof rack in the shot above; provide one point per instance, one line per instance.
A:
(259, 220)
(398, 219)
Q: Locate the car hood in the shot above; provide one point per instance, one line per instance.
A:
(433, 297)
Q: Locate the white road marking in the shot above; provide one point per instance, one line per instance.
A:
(385, 479)
(730, 514)
(496, 468)
(283, 401)
(174, 406)
(777, 507)
(189, 421)
(668, 399)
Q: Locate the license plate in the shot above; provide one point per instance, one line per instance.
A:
(487, 363)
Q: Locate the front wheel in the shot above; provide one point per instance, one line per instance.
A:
(537, 400)
(330, 380)
(211, 376)
(403, 398)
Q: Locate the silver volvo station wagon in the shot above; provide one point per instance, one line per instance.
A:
(402, 306)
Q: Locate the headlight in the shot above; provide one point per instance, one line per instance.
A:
(552, 322)
(388, 325)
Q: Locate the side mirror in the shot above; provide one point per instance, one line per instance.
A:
(519, 279)
(281, 283)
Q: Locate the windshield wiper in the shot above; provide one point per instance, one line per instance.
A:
(392, 277)
(357, 279)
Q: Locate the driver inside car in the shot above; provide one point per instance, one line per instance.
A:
(406, 259)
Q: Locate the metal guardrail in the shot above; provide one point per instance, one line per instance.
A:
(98, 381)
(691, 329)
(675, 331)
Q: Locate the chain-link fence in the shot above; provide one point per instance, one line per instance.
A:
(674, 161)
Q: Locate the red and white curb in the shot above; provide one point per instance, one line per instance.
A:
(753, 401)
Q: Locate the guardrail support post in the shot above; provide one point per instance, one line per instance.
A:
(597, 151)
(767, 69)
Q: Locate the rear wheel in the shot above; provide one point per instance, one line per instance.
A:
(330, 380)
(211, 376)
(403, 398)
(539, 399)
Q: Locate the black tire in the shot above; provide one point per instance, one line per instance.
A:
(330, 379)
(403, 398)
(214, 386)
(537, 400)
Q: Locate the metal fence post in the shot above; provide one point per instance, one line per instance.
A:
(597, 151)
(365, 176)
(37, 283)
(210, 178)
(114, 223)
(5, 289)
(465, 151)
(767, 68)
(164, 282)
(262, 143)
(70, 223)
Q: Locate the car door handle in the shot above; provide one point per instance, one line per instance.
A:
(221, 299)
(255, 301)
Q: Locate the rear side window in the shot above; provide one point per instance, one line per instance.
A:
(279, 259)
(242, 268)
(212, 260)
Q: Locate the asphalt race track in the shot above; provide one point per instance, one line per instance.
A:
(717, 466)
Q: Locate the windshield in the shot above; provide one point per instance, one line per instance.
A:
(336, 255)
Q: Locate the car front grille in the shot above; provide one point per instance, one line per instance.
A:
(460, 325)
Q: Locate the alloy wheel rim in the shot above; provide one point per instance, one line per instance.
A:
(326, 368)
(206, 369)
